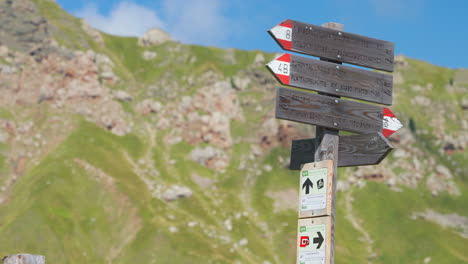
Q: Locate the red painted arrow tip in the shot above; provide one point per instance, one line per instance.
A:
(287, 23)
(283, 78)
(390, 123)
(287, 45)
(388, 112)
(285, 58)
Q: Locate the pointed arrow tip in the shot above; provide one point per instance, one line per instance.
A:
(391, 124)
(280, 67)
(282, 33)
(318, 240)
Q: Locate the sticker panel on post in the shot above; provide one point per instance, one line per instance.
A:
(313, 237)
(316, 189)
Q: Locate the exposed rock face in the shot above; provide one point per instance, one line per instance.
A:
(149, 55)
(148, 106)
(259, 59)
(21, 25)
(154, 36)
(400, 61)
(122, 96)
(71, 84)
(24, 258)
(176, 192)
(457, 222)
(94, 33)
(210, 157)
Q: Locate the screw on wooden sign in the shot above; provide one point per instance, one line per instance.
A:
(353, 150)
(322, 110)
(322, 76)
(334, 44)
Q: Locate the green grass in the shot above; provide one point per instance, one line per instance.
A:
(387, 216)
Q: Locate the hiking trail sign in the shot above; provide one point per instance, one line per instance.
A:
(335, 113)
(330, 78)
(334, 44)
(319, 158)
(353, 150)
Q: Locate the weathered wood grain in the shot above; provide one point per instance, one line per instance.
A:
(353, 150)
(327, 149)
(321, 110)
(338, 45)
(330, 78)
(361, 150)
(302, 152)
(24, 259)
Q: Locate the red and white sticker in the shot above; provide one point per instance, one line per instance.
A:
(280, 67)
(283, 34)
(390, 123)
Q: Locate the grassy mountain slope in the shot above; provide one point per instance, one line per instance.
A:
(96, 197)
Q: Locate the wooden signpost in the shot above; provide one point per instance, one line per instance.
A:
(333, 79)
(334, 44)
(330, 112)
(353, 150)
(319, 158)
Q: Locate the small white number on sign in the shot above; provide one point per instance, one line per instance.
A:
(283, 68)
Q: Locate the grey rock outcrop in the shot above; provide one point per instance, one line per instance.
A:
(149, 55)
(122, 96)
(92, 32)
(210, 157)
(175, 192)
(23, 28)
(24, 259)
(154, 36)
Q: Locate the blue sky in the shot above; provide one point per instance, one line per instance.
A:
(432, 30)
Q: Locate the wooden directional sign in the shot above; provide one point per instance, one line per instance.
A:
(316, 189)
(353, 150)
(314, 240)
(321, 110)
(334, 44)
(333, 79)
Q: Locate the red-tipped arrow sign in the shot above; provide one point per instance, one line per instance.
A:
(326, 111)
(334, 44)
(390, 123)
(330, 78)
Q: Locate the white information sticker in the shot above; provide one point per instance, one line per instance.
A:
(313, 189)
(312, 244)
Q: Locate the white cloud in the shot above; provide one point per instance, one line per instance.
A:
(189, 21)
(124, 19)
(196, 21)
